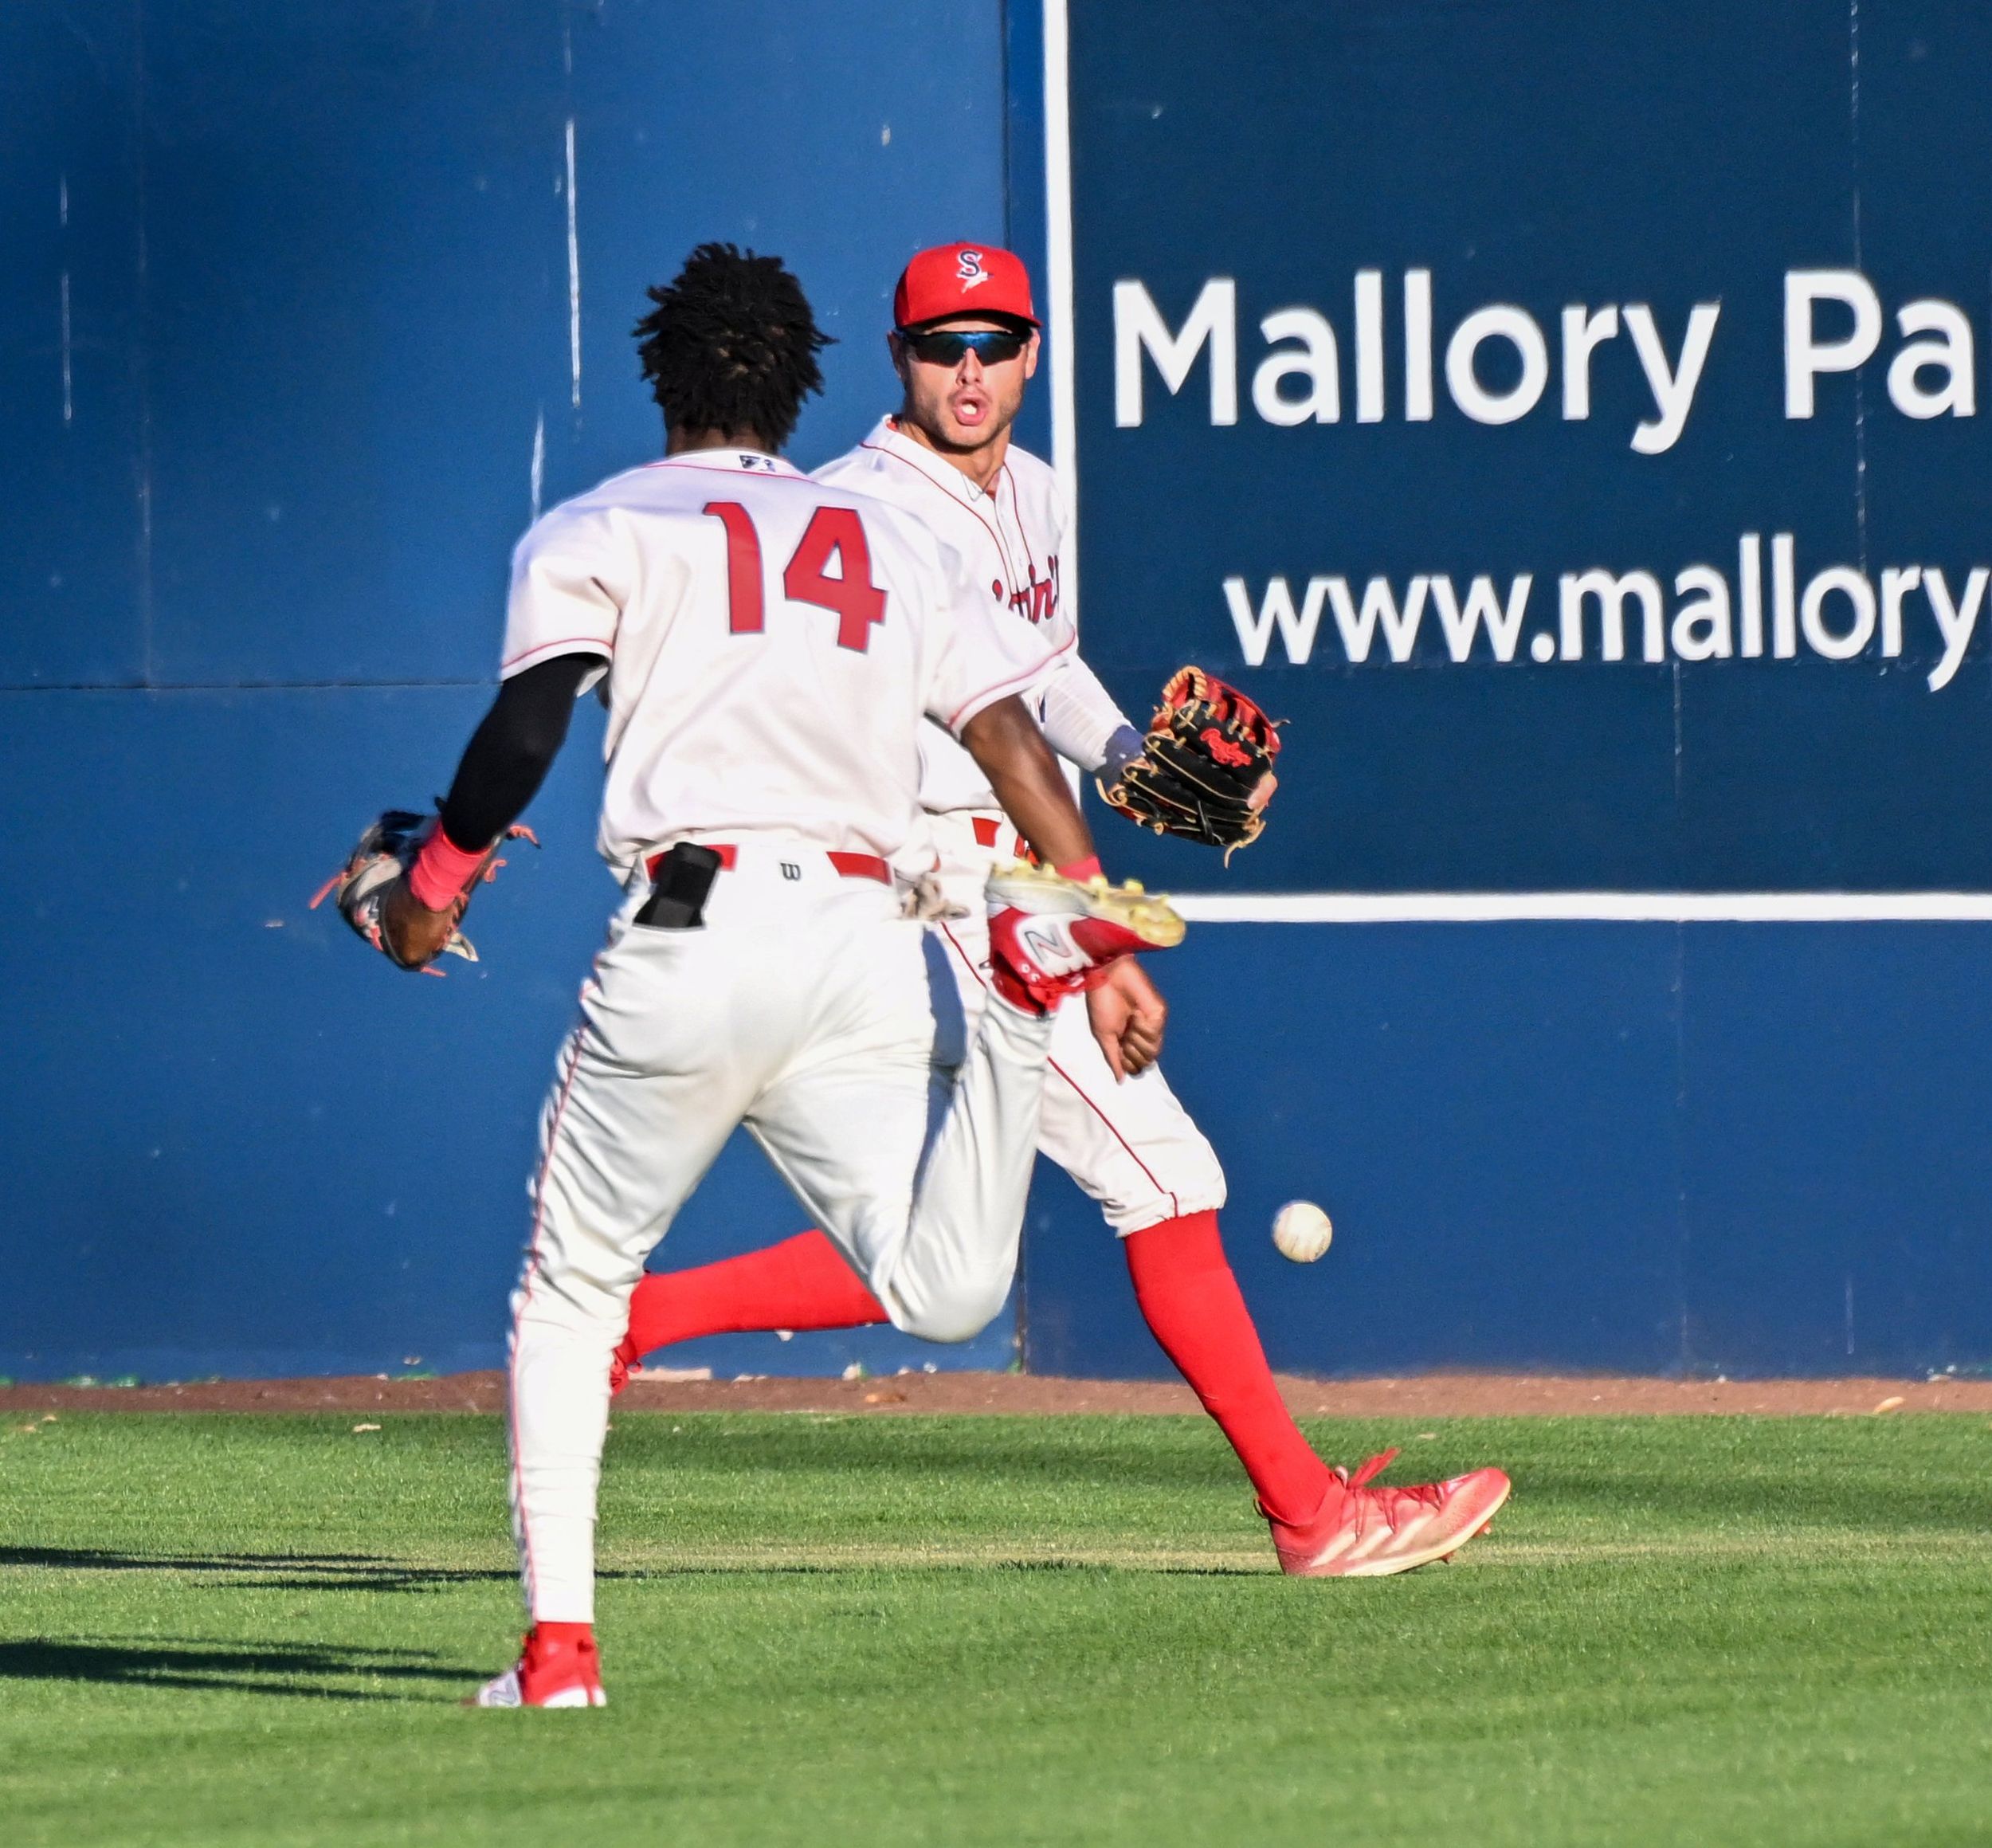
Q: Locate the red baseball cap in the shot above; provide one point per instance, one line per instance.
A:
(954, 280)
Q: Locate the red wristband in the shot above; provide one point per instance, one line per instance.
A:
(1086, 868)
(441, 871)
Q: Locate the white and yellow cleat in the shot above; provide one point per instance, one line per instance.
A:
(1050, 936)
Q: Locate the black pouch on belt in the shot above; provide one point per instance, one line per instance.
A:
(678, 890)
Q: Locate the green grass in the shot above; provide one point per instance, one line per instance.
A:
(968, 1631)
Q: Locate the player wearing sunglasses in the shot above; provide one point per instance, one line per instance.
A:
(965, 344)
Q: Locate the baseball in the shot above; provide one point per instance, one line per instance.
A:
(1302, 1231)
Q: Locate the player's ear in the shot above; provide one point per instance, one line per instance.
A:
(1030, 354)
(895, 346)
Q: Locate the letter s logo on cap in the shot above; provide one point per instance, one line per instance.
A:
(968, 268)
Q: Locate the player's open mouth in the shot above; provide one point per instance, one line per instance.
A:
(970, 411)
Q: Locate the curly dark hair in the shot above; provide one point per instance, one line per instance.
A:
(731, 345)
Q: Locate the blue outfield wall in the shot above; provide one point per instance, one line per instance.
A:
(290, 345)
(1383, 309)
(307, 310)
(1662, 1148)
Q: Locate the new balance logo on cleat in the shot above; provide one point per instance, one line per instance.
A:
(1043, 946)
(1050, 936)
(502, 1691)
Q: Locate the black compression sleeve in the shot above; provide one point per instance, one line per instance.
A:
(511, 751)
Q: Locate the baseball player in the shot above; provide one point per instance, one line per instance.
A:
(964, 343)
(771, 646)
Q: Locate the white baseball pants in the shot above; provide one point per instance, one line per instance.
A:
(805, 1008)
(1131, 1145)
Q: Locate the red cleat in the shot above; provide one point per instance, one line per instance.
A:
(1049, 936)
(562, 1671)
(1362, 1533)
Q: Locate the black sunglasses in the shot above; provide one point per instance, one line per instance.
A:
(993, 346)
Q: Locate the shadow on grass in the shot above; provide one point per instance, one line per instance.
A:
(927, 1569)
(366, 1572)
(269, 1571)
(296, 1671)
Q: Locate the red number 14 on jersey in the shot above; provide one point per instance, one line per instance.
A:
(832, 532)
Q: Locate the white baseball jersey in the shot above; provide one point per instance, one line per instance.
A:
(1009, 537)
(773, 644)
(1131, 1145)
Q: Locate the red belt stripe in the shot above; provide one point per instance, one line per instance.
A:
(846, 865)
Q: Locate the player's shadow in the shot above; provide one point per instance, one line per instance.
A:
(268, 1571)
(869, 1572)
(294, 1671)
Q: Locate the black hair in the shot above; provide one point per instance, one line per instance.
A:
(731, 345)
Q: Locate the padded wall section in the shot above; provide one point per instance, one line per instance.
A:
(73, 606)
(240, 1145)
(1383, 209)
(1717, 1149)
(307, 310)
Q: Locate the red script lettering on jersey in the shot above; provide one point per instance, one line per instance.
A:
(857, 600)
(832, 531)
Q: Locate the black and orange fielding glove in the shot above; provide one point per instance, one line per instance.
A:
(1205, 768)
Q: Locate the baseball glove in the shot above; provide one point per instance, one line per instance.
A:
(1205, 767)
(385, 851)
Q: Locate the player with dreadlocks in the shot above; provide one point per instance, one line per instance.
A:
(771, 647)
(965, 344)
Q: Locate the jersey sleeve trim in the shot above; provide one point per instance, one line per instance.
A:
(567, 644)
(978, 702)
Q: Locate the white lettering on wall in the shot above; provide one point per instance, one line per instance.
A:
(1275, 609)
(1369, 346)
(1950, 353)
(1573, 587)
(1833, 323)
(1417, 346)
(1955, 619)
(1672, 386)
(1840, 613)
(1357, 628)
(1501, 321)
(1139, 327)
(1502, 621)
(1313, 360)
(1896, 584)
(1846, 582)
(1806, 355)
(1701, 628)
(1583, 333)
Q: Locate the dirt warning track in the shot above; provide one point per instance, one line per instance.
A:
(1431, 1395)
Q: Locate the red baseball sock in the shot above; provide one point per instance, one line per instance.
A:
(1191, 1302)
(564, 1632)
(801, 1283)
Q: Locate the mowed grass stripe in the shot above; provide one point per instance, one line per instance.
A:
(991, 1630)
